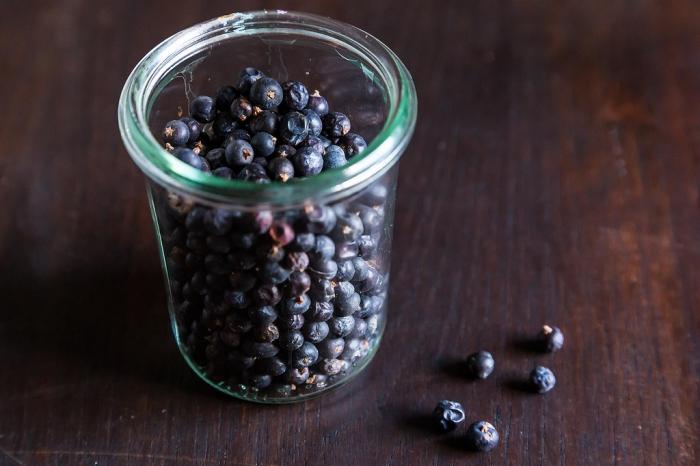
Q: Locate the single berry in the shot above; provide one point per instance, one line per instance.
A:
(550, 338)
(281, 233)
(336, 124)
(480, 365)
(318, 104)
(190, 158)
(267, 295)
(264, 121)
(239, 153)
(280, 169)
(273, 273)
(296, 260)
(331, 348)
(334, 157)
(314, 142)
(246, 79)
(315, 331)
(482, 436)
(296, 95)
(448, 415)
(216, 158)
(324, 248)
(195, 128)
(320, 311)
(255, 173)
(353, 144)
(241, 109)
(266, 93)
(223, 172)
(176, 133)
(542, 379)
(224, 124)
(202, 109)
(318, 218)
(305, 356)
(224, 97)
(297, 376)
(297, 304)
(263, 143)
(237, 134)
(348, 227)
(293, 128)
(308, 162)
(314, 121)
(291, 340)
(299, 283)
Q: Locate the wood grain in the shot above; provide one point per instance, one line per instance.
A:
(553, 178)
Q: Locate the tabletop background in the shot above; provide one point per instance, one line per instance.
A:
(553, 177)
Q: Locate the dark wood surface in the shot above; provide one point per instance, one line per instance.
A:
(553, 177)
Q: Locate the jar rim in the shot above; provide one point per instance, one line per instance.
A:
(147, 80)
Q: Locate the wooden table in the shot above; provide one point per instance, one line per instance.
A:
(553, 178)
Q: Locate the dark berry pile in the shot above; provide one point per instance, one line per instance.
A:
(261, 130)
(274, 301)
(272, 304)
(482, 435)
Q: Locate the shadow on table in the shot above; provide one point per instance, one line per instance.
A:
(108, 315)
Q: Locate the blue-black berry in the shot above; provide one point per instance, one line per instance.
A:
(542, 379)
(353, 144)
(296, 95)
(334, 157)
(293, 128)
(336, 124)
(176, 133)
(480, 365)
(308, 162)
(239, 153)
(202, 109)
(482, 436)
(246, 79)
(263, 143)
(266, 93)
(318, 104)
(448, 415)
(550, 338)
(280, 169)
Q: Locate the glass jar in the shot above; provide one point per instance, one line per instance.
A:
(276, 292)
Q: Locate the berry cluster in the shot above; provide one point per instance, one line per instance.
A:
(273, 304)
(481, 435)
(262, 131)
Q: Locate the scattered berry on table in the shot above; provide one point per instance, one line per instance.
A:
(542, 379)
(480, 365)
(448, 415)
(550, 338)
(482, 436)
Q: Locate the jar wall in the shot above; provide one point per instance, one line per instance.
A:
(277, 305)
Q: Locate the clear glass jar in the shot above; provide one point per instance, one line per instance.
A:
(237, 295)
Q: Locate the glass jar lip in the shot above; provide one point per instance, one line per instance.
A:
(146, 80)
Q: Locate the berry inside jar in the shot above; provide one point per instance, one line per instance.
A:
(273, 304)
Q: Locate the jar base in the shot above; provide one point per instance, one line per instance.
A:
(244, 393)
